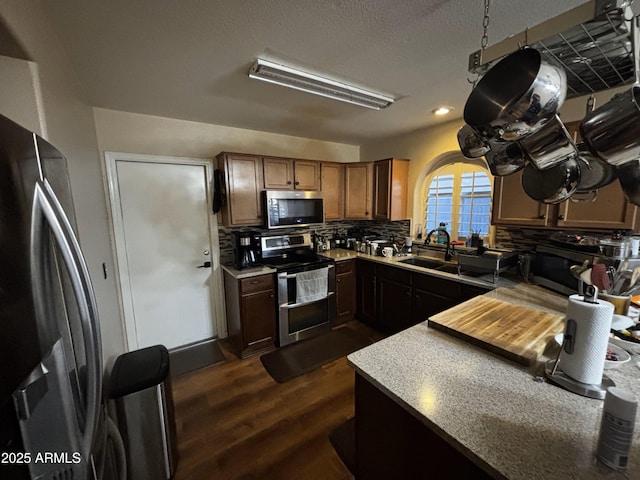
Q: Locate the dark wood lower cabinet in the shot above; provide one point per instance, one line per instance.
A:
(392, 443)
(366, 291)
(392, 298)
(425, 304)
(345, 290)
(251, 313)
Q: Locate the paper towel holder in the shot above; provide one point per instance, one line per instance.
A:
(561, 379)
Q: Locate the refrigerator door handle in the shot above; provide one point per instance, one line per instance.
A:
(46, 206)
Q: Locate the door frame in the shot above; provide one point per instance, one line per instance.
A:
(122, 277)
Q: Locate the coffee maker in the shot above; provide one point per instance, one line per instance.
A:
(246, 249)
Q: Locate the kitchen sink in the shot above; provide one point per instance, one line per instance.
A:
(449, 268)
(433, 264)
(422, 262)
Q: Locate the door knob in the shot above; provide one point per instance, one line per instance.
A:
(205, 265)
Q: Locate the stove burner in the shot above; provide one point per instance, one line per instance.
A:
(296, 260)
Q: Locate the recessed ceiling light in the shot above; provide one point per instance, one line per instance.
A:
(441, 110)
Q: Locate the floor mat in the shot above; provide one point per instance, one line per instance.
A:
(302, 357)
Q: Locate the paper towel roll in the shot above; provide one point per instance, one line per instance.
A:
(593, 323)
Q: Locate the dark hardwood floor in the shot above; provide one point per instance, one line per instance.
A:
(235, 422)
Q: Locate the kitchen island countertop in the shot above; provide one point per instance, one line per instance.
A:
(502, 416)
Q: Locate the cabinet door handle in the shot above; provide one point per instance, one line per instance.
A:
(560, 217)
(297, 183)
(288, 182)
(542, 217)
(408, 292)
(271, 296)
(339, 280)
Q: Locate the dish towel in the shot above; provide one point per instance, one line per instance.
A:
(312, 285)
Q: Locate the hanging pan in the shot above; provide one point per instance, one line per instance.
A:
(516, 96)
(554, 185)
(629, 176)
(594, 172)
(504, 158)
(613, 131)
(471, 144)
(550, 145)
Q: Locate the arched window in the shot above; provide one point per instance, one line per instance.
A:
(458, 193)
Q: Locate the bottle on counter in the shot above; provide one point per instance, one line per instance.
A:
(616, 428)
(442, 233)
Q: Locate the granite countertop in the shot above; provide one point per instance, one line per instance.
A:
(486, 280)
(339, 255)
(495, 411)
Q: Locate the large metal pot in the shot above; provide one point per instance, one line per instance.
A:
(554, 185)
(613, 131)
(629, 176)
(516, 96)
(504, 158)
(550, 145)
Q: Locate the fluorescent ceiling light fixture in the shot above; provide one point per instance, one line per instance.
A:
(441, 110)
(307, 82)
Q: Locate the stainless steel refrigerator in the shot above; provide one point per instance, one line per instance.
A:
(52, 417)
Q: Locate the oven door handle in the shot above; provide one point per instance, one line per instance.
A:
(294, 275)
(302, 304)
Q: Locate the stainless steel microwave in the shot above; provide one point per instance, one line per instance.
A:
(551, 267)
(286, 209)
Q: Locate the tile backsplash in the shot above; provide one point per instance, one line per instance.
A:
(523, 238)
(398, 229)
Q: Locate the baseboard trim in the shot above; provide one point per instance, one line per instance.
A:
(194, 356)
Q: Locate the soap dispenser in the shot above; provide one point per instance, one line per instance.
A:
(442, 233)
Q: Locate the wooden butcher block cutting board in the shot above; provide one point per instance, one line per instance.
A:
(515, 332)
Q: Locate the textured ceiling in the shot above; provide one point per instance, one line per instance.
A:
(189, 59)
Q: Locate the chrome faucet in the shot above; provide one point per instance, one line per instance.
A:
(448, 253)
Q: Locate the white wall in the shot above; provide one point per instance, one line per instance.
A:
(53, 104)
(421, 147)
(135, 133)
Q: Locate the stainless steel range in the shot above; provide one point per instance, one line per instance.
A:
(306, 286)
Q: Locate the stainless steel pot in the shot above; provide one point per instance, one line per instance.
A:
(471, 145)
(504, 158)
(554, 185)
(613, 131)
(613, 248)
(550, 145)
(516, 96)
(629, 177)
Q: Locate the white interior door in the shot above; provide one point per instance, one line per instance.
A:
(164, 231)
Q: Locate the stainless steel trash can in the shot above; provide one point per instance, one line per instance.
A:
(141, 389)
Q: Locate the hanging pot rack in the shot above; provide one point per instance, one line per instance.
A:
(597, 47)
(596, 44)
